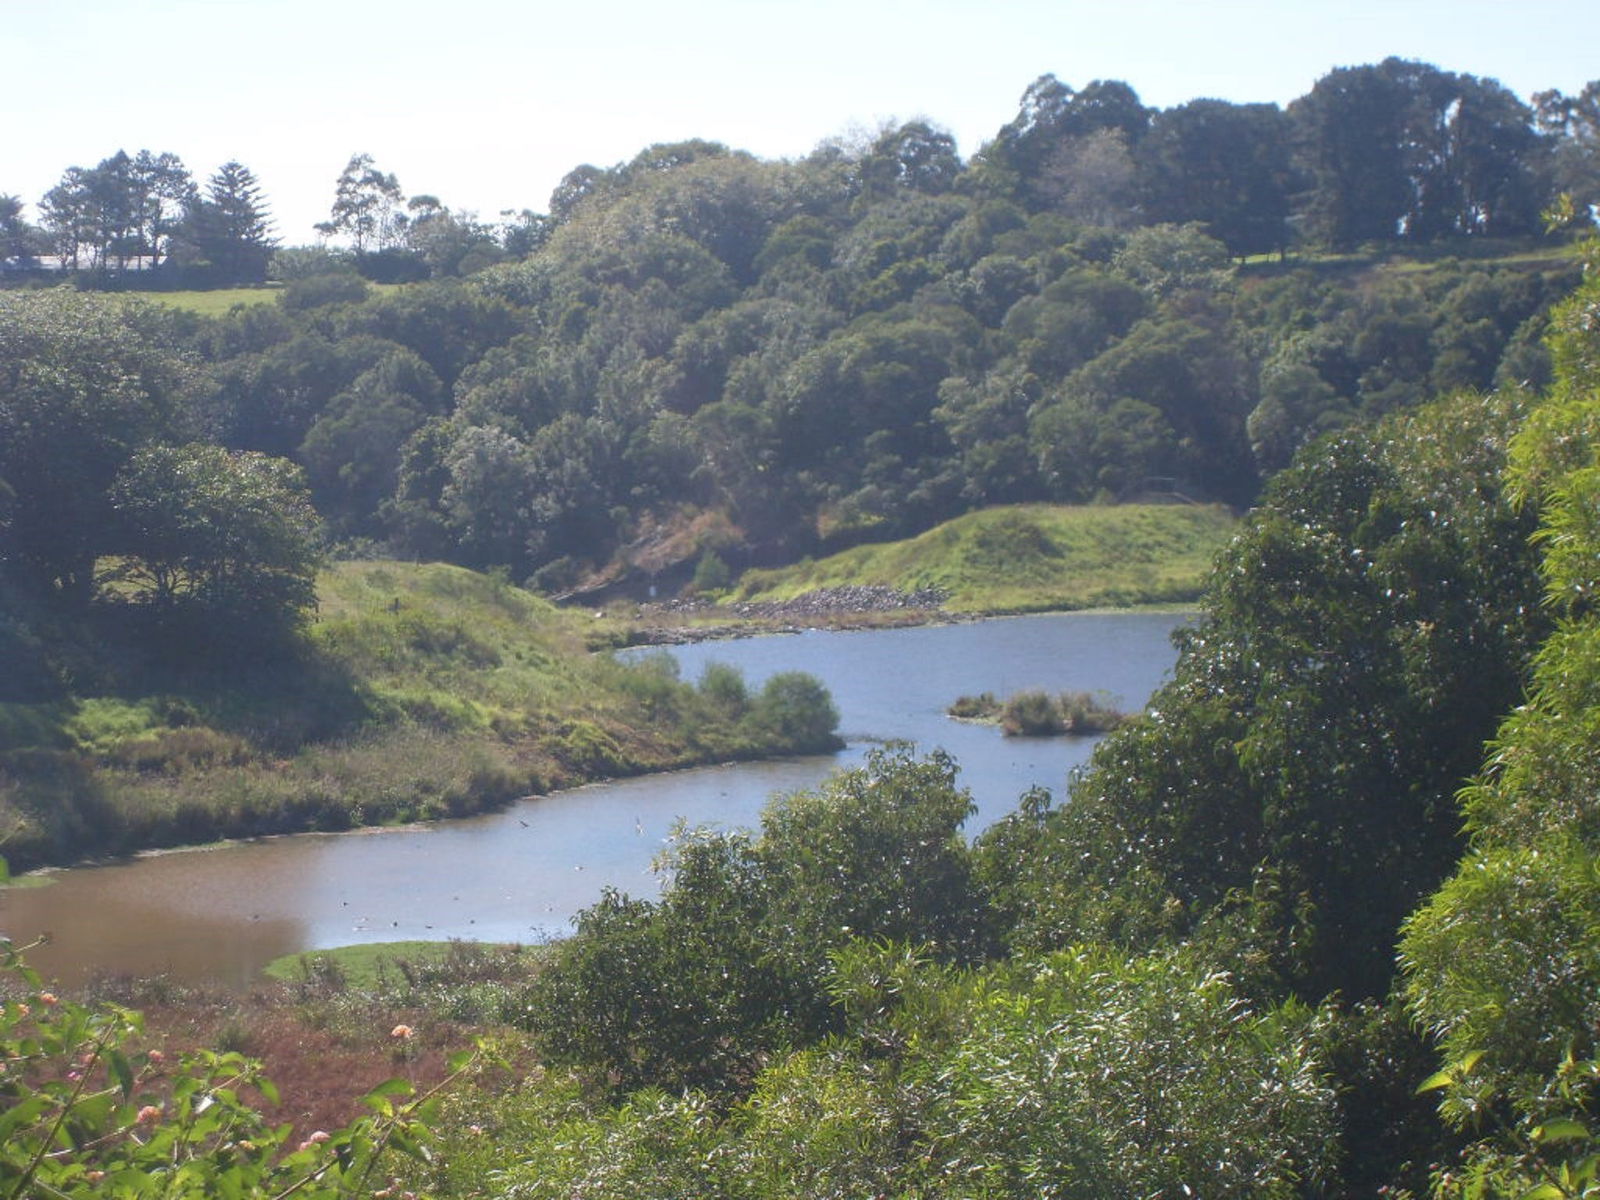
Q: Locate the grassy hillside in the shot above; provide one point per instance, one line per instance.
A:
(1028, 558)
(422, 691)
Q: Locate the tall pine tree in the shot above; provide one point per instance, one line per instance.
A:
(232, 225)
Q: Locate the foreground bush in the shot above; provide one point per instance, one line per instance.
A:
(1083, 1074)
(1503, 961)
(85, 1112)
(696, 990)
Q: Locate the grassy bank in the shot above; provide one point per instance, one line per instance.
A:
(1027, 558)
(420, 692)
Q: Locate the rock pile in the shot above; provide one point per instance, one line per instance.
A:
(832, 605)
(851, 598)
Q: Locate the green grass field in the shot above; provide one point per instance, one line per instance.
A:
(1029, 558)
(218, 302)
(214, 303)
(359, 966)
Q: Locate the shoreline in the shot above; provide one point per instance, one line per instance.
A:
(660, 635)
(646, 628)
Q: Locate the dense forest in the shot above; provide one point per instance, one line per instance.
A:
(1254, 953)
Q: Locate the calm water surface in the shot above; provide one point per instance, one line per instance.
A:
(523, 873)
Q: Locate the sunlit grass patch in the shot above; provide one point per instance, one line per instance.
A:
(215, 302)
(1029, 558)
(358, 966)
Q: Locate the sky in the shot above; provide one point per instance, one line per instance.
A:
(486, 104)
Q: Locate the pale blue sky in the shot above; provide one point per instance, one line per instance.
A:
(488, 103)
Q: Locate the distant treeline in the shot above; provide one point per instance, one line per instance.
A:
(1397, 152)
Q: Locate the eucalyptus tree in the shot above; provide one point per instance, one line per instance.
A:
(1500, 963)
(1054, 125)
(122, 209)
(366, 206)
(161, 192)
(1573, 125)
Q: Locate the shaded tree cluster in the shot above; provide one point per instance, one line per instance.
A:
(145, 213)
(115, 506)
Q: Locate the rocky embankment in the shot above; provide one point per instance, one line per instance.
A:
(673, 622)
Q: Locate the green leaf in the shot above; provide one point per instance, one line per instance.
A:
(1560, 1131)
(1439, 1079)
(120, 1068)
(378, 1099)
(1451, 1073)
(381, 1105)
(407, 1146)
(391, 1087)
(22, 1114)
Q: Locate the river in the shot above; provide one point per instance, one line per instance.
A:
(520, 875)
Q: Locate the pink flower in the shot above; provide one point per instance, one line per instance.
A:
(156, 1056)
(49, 998)
(316, 1139)
(403, 1032)
(150, 1112)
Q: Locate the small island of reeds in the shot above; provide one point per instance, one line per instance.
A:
(1039, 714)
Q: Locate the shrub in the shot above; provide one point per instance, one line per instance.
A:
(587, 747)
(1031, 714)
(725, 688)
(982, 707)
(711, 574)
(314, 291)
(796, 708)
(175, 751)
(1084, 712)
(701, 988)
